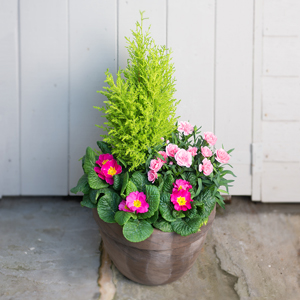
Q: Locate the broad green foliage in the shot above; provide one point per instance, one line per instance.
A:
(141, 107)
(137, 230)
(108, 206)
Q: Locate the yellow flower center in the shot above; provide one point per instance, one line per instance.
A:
(104, 162)
(137, 203)
(126, 207)
(180, 187)
(112, 171)
(181, 200)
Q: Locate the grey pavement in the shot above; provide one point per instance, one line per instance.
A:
(49, 249)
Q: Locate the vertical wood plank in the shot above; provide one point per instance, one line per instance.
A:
(44, 97)
(233, 97)
(129, 14)
(92, 51)
(9, 99)
(191, 35)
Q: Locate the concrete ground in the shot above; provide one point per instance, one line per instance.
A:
(49, 249)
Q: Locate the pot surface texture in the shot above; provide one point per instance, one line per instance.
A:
(162, 258)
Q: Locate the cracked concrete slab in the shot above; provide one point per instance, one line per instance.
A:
(49, 249)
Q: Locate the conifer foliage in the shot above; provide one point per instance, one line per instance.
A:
(141, 107)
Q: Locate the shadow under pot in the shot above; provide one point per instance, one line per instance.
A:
(162, 258)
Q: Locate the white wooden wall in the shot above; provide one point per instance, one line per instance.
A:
(53, 55)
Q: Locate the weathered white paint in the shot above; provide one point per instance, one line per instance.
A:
(281, 98)
(9, 99)
(93, 40)
(44, 97)
(233, 86)
(194, 61)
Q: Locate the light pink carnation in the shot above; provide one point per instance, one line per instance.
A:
(222, 156)
(155, 165)
(183, 158)
(185, 127)
(192, 150)
(171, 150)
(171, 163)
(152, 176)
(210, 138)
(206, 167)
(165, 156)
(206, 152)
(167, 141)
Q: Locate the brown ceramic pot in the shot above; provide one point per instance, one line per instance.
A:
(162, 258)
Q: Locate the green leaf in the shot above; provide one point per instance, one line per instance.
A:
(220, 201)
(82, 185)
(108, 205)
(160, 187)
(227, 172)
(104, 147)
(139, 180)
(191, 213)
(152, 199)
(94, 195)
(121, 217)
(153, 218)
(187, 226)
(222, 191)
(118, 181)
(166, 207)
(86, 202)
(130, 188)
(163, 225)
(168, 184)
(95, 182)
(89, 161)
(124, 185)
(191, 178)
(137, 230)
(199, 187)
(178, 214)
(208, 202)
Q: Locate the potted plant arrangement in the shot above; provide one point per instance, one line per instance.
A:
(155, 182)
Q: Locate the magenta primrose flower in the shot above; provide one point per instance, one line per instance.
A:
(124, 207)
(181, 200)
(109, 170)
(103, 159)
(185, 127)
(181, 184)
(136, 201)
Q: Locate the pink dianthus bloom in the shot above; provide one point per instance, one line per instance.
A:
(192, 150)
(206, 167)
(124, 207)
(206, 152)
(185, 127)
(171, 150)
(156, 164)
(183, 158)
(109, 170)
(210, 138)
(164, 155)
(222, 156)
(181, 200)
(136, 201)
(181, 184)
(152, 176)
(103, 159)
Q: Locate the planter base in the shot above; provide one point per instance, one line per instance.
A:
(162, 258)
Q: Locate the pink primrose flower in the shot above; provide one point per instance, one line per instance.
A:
(222, 156)
(109, 170)
(136, 201)
(171, 150)
(124, 207)
(152, 176)
(185, 127)
(210, 138)
(206, 167)
(165, 156)
(181, 200)
(181, 184)
(192, 150)
(183, 158)
(206, 152)
(103, 159)
(156, 164)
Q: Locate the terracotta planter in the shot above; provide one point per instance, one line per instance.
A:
(162, 258)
